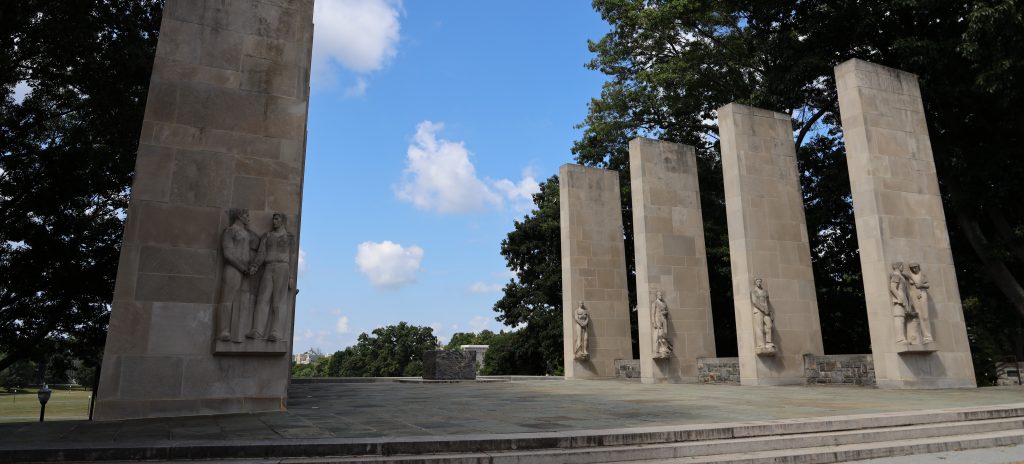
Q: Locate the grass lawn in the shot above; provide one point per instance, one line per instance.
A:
(63, 405)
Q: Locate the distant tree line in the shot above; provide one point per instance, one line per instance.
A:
(397, 351)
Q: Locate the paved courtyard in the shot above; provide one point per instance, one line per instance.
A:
(362, 410)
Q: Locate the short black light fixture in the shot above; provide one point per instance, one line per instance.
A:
(44, 396)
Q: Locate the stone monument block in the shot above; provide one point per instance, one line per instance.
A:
(772, 281)
(673, 296)
(918, 334)
(203, 305)
(449, 365)
(595, 298)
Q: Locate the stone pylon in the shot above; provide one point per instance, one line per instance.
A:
(222, 144)
(778, 323)
(668, 234)
(918, 335)
(593, 272)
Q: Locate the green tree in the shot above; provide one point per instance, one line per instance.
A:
(533, 299)
(469, 338)
(392, 351)
(67, 150)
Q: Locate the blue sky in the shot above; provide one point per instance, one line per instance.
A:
(430, 124)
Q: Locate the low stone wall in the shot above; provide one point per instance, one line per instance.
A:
(627, 368)
(839, 369)
(718, 370)
(449, 365)
(1008, 373)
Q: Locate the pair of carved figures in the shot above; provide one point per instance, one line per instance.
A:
(659, 326)
(764, 320)
(255, 281)
(909, 292)
(581, 319)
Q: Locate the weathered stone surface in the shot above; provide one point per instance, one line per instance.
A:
(668, 231)
(593, 270)
(627, 368)
(479, 353)
(768, 240)
(1009, 373)
(899, 215)
(718, 370)
(449, 365)
(840, 369)
(224, 128)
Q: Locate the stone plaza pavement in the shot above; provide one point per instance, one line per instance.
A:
(382, 410)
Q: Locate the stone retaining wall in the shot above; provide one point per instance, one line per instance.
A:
(627, 368)
(718, 370)
(839, 369)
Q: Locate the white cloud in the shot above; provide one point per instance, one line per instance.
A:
(480, 287)
(519, 194)
(360, 35)
(302, 261)
(21, 90)
(442, 338)
(439, 176)
(342, 325)
(388, 264)
(479, 323)
(357, 90)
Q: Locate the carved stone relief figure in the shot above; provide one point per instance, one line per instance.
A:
(764, 320)
(235, 305)
(275, 256)
(659, 322)
(918, 286)
(898, 294)
(580, 339)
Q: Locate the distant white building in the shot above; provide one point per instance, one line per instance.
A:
(478, 351)
(308, 357)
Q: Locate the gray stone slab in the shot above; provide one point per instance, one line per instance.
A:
(898, 209)
(224, 128)
(668, 234)
(593, 272)
(389, 418)
(448, 365)
(768, 241)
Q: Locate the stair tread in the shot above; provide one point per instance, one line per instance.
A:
(832, 449)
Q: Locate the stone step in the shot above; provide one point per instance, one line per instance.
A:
(660, 442)
(858, 451)
(728, 450)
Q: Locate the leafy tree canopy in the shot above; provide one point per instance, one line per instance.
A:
(73, 81)
(533, 299)
(672, 63)
(392, 351)
(469, 338)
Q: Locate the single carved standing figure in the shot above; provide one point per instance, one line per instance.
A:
(898, 294)
(582, 319)
(275, 255)
(918, 285)
(764, 319)
(659, 322)
(234, 307)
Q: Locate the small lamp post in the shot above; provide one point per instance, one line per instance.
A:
(44, 396)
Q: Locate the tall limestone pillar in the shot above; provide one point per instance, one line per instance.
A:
(668, 234)
(918, 335)
(595, 298)
(776, 323)
(204, 300)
